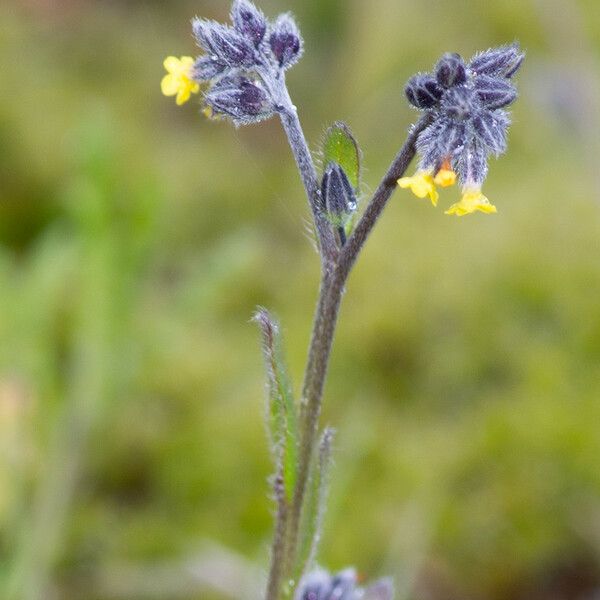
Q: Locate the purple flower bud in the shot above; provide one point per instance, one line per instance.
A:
(224, 43)
(494, 92)
(319, 585)
(450, 70)
(498, 62)
(249, 21)
(242, 100)
(207, 68)
(491, 128)
(286, 41)
(343, 586)
(423, 91)
(339, 199)
(314, 586)
(380, 590)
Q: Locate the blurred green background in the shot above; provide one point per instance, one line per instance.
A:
(136, 239)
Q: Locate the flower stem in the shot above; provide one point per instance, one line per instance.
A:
(336, 266)
(328, 249)
(277, 571)
(330, 297)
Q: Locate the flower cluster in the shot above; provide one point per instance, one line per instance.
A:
(468, 123)
(243, 64)
(320, 585)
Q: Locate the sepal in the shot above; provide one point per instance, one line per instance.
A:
(504, 61)
(339, 199)
(286, 41)
(491, 127)
(249, 21)
(243, 100)
(224, 43)
(451, 70)
(423, 91)
(494, 92)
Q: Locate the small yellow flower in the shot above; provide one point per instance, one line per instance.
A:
(445, 177)
(178, 81)
(421, 184)
(471, 201)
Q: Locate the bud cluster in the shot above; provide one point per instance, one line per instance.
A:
(320, 585)
(243, 62)
(466, 102)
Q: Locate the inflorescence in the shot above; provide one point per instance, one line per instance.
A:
(468, 123)
(243, 65)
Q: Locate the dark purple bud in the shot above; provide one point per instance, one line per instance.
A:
(423, 91)
(207, 68)
(450, 70)
(498, 62)
(459, 103)
(339, 199)
(242, 100)
(249, 21)
(491, 128)
(494, 92)
(471, 163)
(224, 43)
(286, 41)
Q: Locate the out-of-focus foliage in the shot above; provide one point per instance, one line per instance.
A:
(137, 238)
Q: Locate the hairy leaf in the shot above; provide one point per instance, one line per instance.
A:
(282, 417)
(341, 147)
(315, 505)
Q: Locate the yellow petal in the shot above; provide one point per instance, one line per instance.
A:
(472, 201)
(171, 64)
(183, 95)
(421, 185)
(187, 62)
(169, 85)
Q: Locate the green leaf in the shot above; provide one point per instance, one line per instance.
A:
(314, 507)
(282, 416)
(340, 146)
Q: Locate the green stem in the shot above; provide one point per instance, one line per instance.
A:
(330, 298)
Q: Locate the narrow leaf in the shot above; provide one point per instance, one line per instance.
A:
(315, 505)
(340, 146)
(281, 414)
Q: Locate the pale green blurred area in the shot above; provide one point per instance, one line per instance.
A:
(136, 239)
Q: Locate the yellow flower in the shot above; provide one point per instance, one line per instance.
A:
(178, 81)
(421, 185)
(471, 201)
(445, 177)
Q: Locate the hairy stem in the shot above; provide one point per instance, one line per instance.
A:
(328, 248)
(330, 297)
(277, 571)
